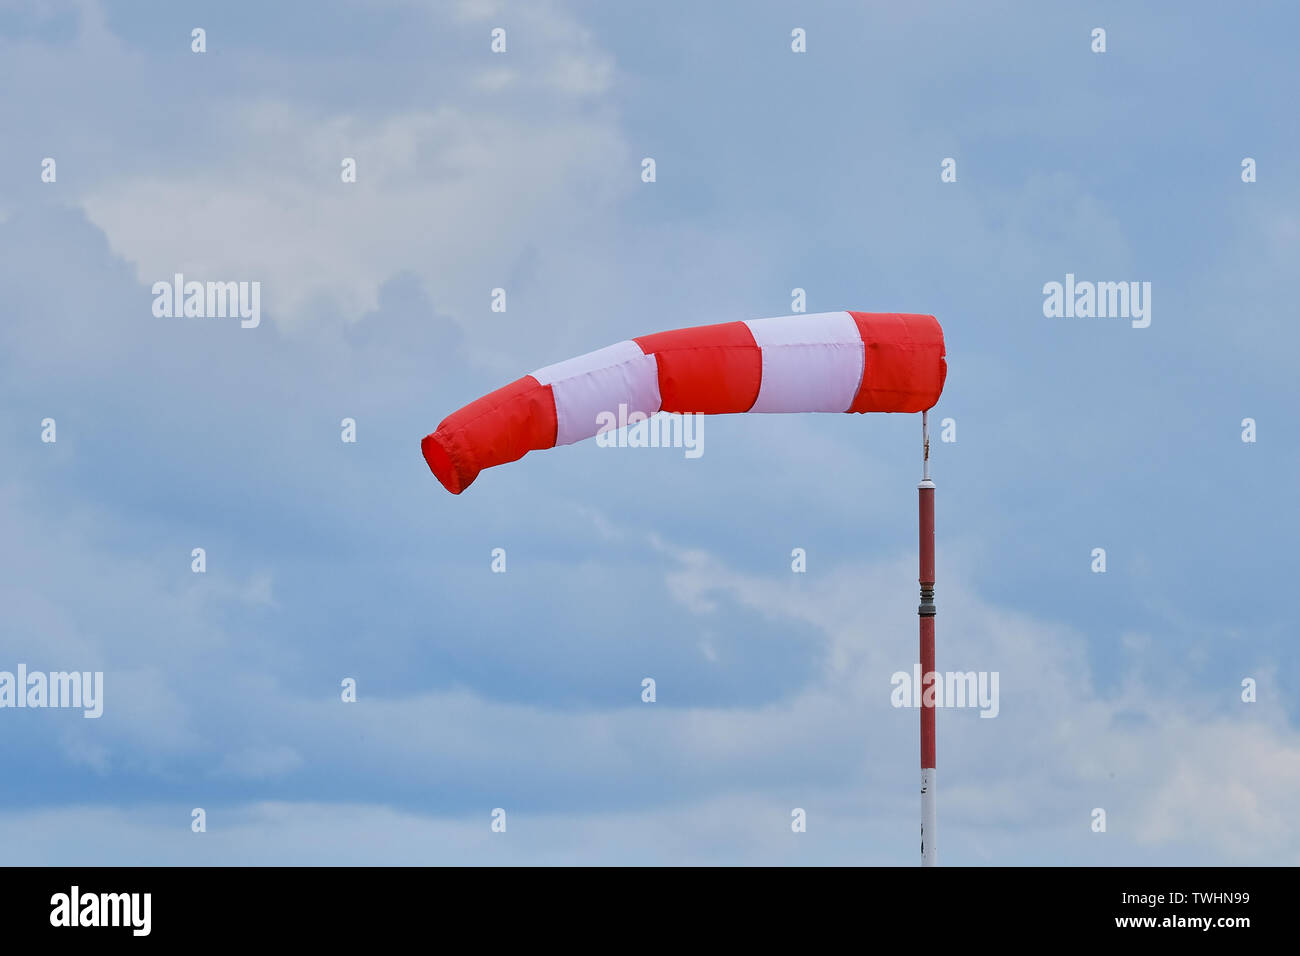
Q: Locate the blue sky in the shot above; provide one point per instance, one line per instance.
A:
(521, 690)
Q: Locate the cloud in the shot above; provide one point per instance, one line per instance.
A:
(458, 192)
(1171, 767)
(439, 195)
(271, 833)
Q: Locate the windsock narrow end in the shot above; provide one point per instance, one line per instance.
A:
(440, 464)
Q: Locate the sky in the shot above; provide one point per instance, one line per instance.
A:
(479, 691)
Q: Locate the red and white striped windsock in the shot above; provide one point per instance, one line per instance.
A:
(824, 362)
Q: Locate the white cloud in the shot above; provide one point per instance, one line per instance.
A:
(747, 830)
(452, 196)
(459, 195)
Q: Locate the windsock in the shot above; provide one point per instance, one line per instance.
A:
(822, 362)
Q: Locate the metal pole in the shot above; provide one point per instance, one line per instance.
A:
(925, 495)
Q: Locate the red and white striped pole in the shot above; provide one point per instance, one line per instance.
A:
(925, 495)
